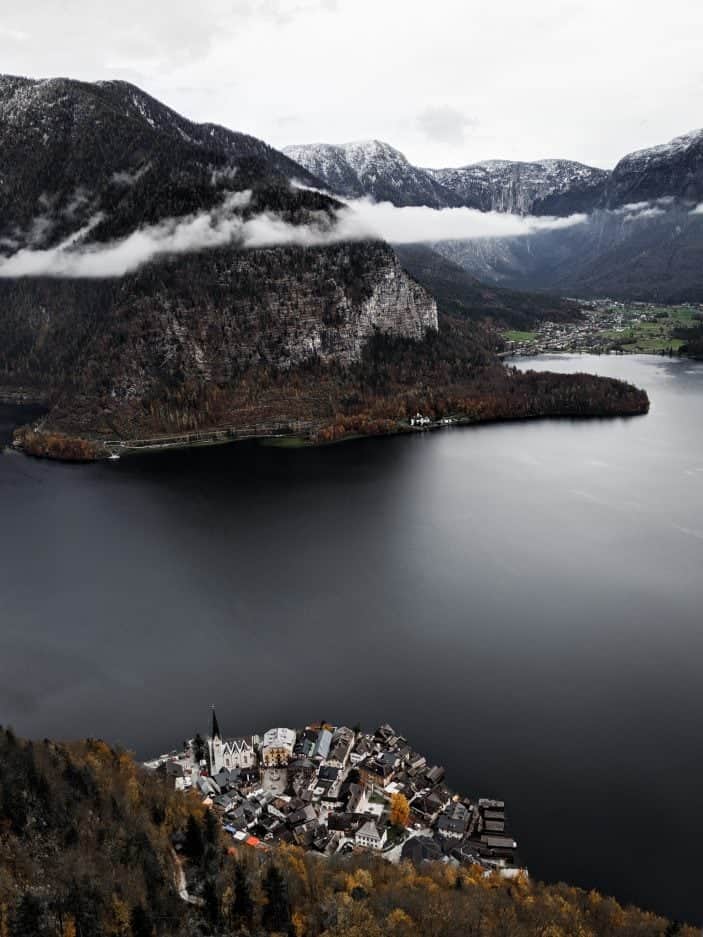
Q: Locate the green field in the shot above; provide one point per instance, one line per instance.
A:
(516, 336)
(651, 337)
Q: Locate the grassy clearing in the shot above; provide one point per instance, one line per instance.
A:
(652, 336)
(517, 336)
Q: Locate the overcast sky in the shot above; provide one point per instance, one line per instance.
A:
(447, 82)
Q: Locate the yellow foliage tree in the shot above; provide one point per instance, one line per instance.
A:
(400, 810)
(120, 914)
(400, 924)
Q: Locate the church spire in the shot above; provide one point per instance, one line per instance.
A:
(215, 734)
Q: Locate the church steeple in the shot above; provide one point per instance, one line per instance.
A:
(215, 733)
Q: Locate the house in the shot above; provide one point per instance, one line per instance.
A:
(322, 745)
(277, 747)
(361, 750)
(419, 420)
(416, 762)
(435, 774)
(376, 772)
(342, 743)
(369, 837)
(420, 849)
(341, 822)
(451, 827)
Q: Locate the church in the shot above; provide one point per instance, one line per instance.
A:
(229, 754)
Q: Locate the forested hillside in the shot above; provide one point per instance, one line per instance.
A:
(459, 294)
(91, 845)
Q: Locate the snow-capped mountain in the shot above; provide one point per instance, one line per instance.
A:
(371, 168)
(378, 170)
(673, 169)
(70, 149)
(547, 187)
(642, 237)
(543, 187)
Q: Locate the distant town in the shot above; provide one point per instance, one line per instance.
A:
(336, 790)
(610, 326)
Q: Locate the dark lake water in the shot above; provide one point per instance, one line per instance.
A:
(523, 601)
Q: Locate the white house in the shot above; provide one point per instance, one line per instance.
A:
(369, 837)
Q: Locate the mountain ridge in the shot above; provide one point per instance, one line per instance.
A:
(639, 237)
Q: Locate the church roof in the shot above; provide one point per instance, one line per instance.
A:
(215, 734)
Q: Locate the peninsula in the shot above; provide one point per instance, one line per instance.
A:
(337, 790)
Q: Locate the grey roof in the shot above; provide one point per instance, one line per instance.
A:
(369, 829)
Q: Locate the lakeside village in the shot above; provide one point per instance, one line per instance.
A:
(331, 789)
(608, 326)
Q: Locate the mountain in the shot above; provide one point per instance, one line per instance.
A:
(547, 187)
(459, 294)
(70, 149)
(371, 168)
(97, 172)
(640, 237)
(644, 252)
(162, 280)
(671, 170)
(377, 170)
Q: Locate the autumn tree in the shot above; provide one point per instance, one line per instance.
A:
(400, 810)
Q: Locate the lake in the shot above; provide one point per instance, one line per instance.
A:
(522, 600)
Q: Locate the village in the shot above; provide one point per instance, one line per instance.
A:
(336, 790)
(606, 325)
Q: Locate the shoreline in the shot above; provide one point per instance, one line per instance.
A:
(114, 450)
(45, 441)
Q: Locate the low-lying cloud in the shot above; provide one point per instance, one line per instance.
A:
(409, 225)
(226, 225)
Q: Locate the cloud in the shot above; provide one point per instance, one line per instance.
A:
(413, 224)
(226, 225)
(126, 179)
(445, 125)
(698, 210)
(14, 35)
(141, 38)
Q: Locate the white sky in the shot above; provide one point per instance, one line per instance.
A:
(448, 82)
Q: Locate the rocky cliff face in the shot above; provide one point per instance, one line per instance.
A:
(216, 315)
(549, 187)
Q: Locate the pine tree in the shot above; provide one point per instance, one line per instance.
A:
(140, 922)
(243, 905)
(27, 918)
(211, 903)
(276, 916)
(193, 846)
